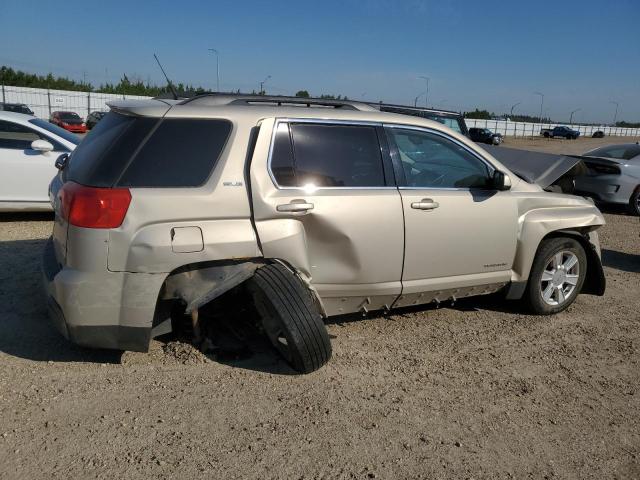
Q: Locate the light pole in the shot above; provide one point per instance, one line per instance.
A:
(514, 106)
(415, 101)
(541, 103)
(426, 98)
(571, 116)
(213, 50)
(262, 84)
(615, 117)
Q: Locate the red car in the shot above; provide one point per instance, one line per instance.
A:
(70, 121)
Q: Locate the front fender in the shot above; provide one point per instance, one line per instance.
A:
(536, 224)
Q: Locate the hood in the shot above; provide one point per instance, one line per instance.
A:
(534, 167)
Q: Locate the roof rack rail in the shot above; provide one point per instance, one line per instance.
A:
(380, 106)
(275, 100)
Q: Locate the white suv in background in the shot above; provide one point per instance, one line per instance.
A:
(29, 147)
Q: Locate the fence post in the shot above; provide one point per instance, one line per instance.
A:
(3, 100)
(49, 101)
(88, 103)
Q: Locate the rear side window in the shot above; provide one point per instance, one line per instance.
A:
(179, 153)
(327, 156)
(621, 152)
(148, 152)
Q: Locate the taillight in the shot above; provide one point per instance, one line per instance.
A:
(93, 207)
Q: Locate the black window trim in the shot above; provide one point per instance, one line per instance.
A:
(397, 166)
(384, 149)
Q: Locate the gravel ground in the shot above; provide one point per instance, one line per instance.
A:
(564, 146)
(475, 390)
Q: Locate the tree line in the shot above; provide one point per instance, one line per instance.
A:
(126, 85)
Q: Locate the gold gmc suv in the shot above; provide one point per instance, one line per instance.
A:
(310, 208)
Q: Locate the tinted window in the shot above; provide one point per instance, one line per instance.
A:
(103, 154)
(336, 155)
(282, 157)
(622, 152)
(433, 161)
(69, 116)
(16, 136)
(452, 123)
(179, 153)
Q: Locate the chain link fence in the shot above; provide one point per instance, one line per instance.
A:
(44, 101)
(526, 129)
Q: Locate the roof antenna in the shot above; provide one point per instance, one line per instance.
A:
(173, 90)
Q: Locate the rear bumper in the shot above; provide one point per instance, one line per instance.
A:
(100, 309)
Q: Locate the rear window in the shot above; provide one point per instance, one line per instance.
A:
(148, 152)
(621, 152)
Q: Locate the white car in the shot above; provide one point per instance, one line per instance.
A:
(29, 147)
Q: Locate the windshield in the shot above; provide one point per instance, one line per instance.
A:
(69, 116)
(450, 122)
(61, 132)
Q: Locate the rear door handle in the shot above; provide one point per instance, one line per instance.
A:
(425, 204)
(295, 206)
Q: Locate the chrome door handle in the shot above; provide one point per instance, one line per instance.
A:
(295, 206)
(425, 204)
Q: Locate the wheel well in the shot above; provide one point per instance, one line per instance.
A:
(192, 286)
(594, 282)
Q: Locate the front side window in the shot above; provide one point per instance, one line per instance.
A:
(16, 136)
(61, 132)
(433, 161)
(323, 155)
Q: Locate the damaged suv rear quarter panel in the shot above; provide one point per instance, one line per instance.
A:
(144, 241)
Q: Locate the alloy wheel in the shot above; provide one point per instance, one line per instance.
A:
(559, 278)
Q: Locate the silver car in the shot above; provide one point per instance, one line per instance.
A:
(300, 209)
(613, 175)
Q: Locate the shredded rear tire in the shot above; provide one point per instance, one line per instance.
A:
(290, 318)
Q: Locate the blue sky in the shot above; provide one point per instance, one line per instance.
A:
(489, 54)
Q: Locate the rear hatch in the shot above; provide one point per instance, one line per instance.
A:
(130, 151)
(98, 161)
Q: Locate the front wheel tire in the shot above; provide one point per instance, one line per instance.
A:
(634, 202)
(557, 276)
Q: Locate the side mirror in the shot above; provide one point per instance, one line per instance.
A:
(500, 181)
(61, 161)
(41, 146)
